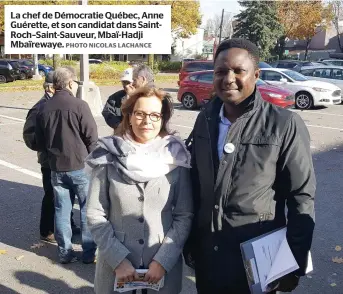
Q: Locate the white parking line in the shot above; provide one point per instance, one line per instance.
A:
(20, 169)
(14, 123)
(317, 112)
(186, 127)
(322, 127)
(12, 118)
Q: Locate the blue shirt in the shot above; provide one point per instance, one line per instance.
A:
(224, 126)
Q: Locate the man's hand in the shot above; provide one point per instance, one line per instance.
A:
(125, 272)
(155, 273)
(287, 283)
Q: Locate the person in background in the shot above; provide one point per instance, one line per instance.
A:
(46, 226)
(250, 160)
(67, 132)
(140, 206)
(111, 111)
(132, 78)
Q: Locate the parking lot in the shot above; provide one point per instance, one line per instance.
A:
(34, 270)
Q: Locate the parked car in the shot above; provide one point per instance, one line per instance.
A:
(295, 65)
(196, 89)
(326, 73)
(42, 68)
(193, 66)
(95, 61)
(6, 75)
(26, 72)
(263, 64)
(308, 93)
(337, 62)
(12, 71)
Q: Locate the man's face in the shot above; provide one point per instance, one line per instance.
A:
(138, 81)
(73, 87)
(235, 75)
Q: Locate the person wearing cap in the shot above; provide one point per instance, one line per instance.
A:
(111, 111)
(48, 208)
(132, 78)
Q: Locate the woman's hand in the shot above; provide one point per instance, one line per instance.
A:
(125, 272)
(155, 273)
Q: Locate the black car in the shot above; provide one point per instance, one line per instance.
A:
(8, 72)
(25, 71)
(295, 65)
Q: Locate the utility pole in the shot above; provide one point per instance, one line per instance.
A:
(221, 27)
(84, 68)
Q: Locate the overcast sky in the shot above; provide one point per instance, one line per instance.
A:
(209, 8)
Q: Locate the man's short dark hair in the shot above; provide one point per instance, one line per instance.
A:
(241, 44)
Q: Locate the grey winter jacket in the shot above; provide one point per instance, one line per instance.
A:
(139, 221)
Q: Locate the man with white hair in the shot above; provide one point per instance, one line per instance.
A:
(131, 79)
(67, 132)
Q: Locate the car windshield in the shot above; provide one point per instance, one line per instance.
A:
(295, 76)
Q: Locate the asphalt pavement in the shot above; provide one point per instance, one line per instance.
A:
(29, 267)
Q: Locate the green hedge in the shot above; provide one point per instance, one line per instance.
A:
(168, 66)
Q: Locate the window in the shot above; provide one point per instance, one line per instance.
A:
(322, 73)
(286, 65)
(197, 66)
(295, 76)
(307, 72)
(337, 62)
(3, 63)
(193, 78)
(337, 74)
(271, 76)
(206, 78)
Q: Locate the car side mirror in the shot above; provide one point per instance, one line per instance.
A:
(283, 80)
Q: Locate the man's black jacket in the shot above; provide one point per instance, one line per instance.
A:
(244, 194)
(29, 131)
(67, 131)
(112, 111)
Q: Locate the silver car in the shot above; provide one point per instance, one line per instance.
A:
(326, 73)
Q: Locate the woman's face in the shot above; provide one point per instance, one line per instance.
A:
(146, 119)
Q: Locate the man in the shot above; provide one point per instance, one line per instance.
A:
(66, 130)
(131, 79)
(111, 111)
(47, 210)
(249, 160)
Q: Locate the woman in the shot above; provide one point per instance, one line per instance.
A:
(140, 206)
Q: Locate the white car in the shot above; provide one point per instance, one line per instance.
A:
(308, 93)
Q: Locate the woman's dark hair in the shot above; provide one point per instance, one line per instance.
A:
(241, 44)
(129, 105)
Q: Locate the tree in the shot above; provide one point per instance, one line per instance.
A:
(212, 26)
(337, 14)
(302, 20)
(259, 24)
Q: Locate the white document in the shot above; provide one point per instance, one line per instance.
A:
(274, 258)
(137, 284)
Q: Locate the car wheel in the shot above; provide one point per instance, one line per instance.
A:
(2, 79)
(189, 101)
(23, 76)
(303, 100)
(42, 73)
